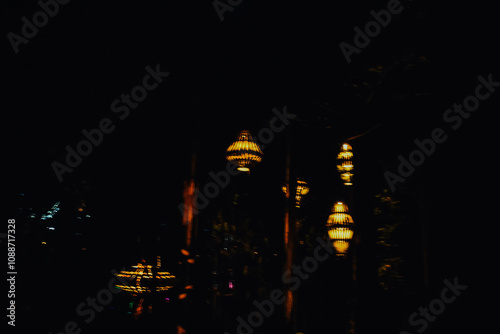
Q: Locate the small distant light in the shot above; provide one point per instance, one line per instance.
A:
(51, 228)
(256, 252)
(88, 216)
(231, 286)
(44, 243)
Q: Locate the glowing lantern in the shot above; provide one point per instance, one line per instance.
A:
(345, 165)
(340, 228)
(140, 279)
(301, 190)
(244, 152)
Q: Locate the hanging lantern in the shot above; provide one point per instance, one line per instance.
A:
(140, 278)
(244, 152)
(301, 190)
(340, 228)
(345, 165)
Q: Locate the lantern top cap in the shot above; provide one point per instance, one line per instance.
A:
(340, 207)
(346, 147)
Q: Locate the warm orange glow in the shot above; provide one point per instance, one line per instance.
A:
(340, 224)
(244, 152)
(141, 279)
(184, 252)
(341, 246)
(340, 233)
(188, 287)
(289, 304)
(187, 215)
(190, 260)
(345, 165)
(182, 295)
(301, 190)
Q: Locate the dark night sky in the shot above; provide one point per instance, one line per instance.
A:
(225, 76)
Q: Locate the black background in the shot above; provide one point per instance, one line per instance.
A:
(226, 76)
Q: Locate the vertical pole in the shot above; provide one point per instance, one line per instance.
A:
(290, 236)
(355, 241)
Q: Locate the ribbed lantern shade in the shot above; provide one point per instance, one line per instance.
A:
(301, 190)
(340, 227)
(244, 152)
(345, 165)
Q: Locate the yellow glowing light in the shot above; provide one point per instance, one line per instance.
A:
(340, 227)
(341, 247)
(301, 190)
(345, 164)
(141, 279)
(244, 152)
(340, 233)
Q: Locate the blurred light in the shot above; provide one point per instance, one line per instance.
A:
(345, 164)
(244, 152)
(182, 296)
(141, 279)
(300, 190)
(184, 252)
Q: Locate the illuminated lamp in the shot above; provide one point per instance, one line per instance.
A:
(340, 228)
(140, 279)
(301, 190)
(244, 152)
(345, 164)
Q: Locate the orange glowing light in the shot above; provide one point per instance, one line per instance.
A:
(340, 227)
(244, 152)
(345, 164)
